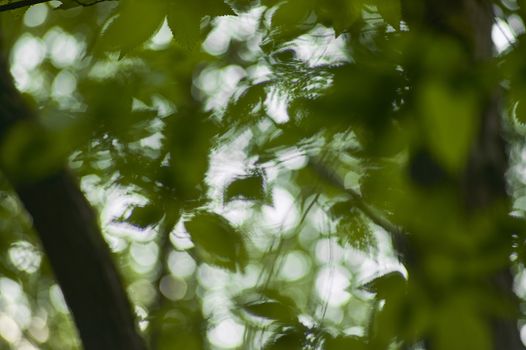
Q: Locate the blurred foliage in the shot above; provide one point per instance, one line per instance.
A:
(251, 161)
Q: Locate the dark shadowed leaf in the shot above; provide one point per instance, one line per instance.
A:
(392, 283)
(391, 11)
(217, 242)
(339, 14)
(242, 110)
(184, 18)
(30, 151)
(270, 304)
(272, 310)
(145, 216)
(250, 187)
(344, 343)
(341, 209)
(291, 339)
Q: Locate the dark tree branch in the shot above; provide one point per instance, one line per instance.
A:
(81, 262)
(371, 212)
(20, 4)
(91, 3)
(25, 3)
(398, 235)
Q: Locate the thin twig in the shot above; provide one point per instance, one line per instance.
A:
(86, 4)
(511, 41)
(19, 4)
(25, 3)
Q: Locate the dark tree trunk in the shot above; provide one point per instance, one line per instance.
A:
(81, 262)
(72, 240)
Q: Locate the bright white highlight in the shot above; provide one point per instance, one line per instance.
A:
(283, 215)
(64, 84)
(64, 49)
(227, 334)
(28, 52)
(332, 284)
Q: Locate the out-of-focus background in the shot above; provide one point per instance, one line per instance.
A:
(226, 193)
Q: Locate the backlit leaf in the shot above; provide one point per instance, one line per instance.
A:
(354, 230)
(136, 22)
(450, 123)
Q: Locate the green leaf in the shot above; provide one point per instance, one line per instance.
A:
(392, 283)
(244, 5)
(188, 138)
(145, 216)
(137, 21)
(339, 14)
(290, 13)
(347, 343)
(216, 241)
(460, 326)
(250, 187)
(184, 18)
(270, 304)
(340, 210)
(270, 309)
(293, 339)
(242, 109)
(391, 11)
(30, 151)
(450, 123)
(354, 230)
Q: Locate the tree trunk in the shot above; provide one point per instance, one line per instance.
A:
(483, 184)
(72, 240)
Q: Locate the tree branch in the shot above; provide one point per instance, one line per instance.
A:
(82, 263)
(20, 4)
(94, 2)
(72, 240)
(398, 235)
(25, 3)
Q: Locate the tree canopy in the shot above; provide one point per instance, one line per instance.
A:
(262, 174)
